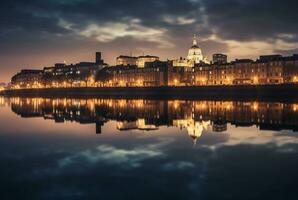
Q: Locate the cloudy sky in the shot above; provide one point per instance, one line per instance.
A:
(38, 33)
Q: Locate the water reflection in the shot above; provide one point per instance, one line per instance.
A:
(147, 115)
(243, 150)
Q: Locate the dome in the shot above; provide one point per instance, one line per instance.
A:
(195, 53)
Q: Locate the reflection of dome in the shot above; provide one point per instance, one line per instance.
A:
(194, 129)
(195, 53)
(198, 130)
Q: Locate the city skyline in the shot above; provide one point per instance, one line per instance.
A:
(39, 33)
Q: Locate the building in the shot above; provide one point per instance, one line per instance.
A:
(183, 62)
(195, 56)
(2, 86)
(98, 59)
(74, 75)
(27, 78)
(142, 60)
(126, 60)
(152, 74)
(135, 61)
(195, 53)
(219, 58)
(149, 71)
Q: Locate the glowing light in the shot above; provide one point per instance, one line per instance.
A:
(255, 78)
(176, 82)
(139, 82)
(255, 106)
(176, 105)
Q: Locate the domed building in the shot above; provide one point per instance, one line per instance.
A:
(195, 53)
(194, 56)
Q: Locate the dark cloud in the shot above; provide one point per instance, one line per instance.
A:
(287, 52)
(252, 20)
(242, 20)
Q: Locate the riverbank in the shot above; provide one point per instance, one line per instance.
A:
(253, 92)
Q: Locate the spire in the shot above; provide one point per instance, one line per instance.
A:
(194, 42)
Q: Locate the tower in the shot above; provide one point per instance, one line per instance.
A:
(98, 59)
(194, 41)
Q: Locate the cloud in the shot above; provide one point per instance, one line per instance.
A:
(179, 20)
(252, 20)
(111, 155)
(178, 165)
(255, 48)
(242, 28)
(132, 28)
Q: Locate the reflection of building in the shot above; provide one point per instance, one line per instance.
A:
(219, 126)
(139, 124)
(196, 117)
(194, 128)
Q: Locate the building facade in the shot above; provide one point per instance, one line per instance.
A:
(219, 58)
(27, 78)
(126, 60)
(267, 70)
(153, 74)
(142, 60)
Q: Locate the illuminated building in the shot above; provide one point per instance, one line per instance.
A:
(195, 56)
(153, 74)
(142, 60)
(126, 60)
(2, 86)
(148, 71)
(195, 53)
(135, 61)
(73, 75)
(27, 78)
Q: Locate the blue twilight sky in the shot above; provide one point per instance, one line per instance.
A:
(38, 33)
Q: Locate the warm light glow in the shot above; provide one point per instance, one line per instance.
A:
(255, 106)
(139, 82)
(255, 79)
(175, 82)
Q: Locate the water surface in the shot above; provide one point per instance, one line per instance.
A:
(63, 148)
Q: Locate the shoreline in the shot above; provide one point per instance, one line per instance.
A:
(288, 92)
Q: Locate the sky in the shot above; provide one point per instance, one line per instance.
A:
(39, 33)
